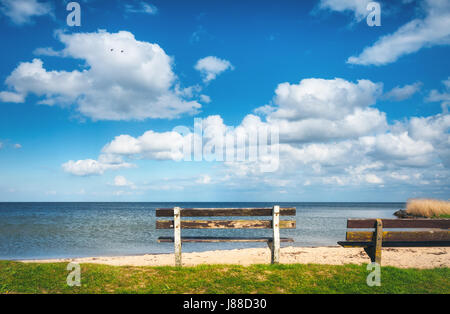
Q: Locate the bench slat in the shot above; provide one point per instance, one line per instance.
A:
(217, 239)
(399, 223)
(435, 235)
(224, 212)
(225, 224)
(349, 244)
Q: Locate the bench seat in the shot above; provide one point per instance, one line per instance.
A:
(216, 239)
(437, 234)
(178, 224)
(348, 244)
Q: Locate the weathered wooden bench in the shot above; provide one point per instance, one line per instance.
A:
(177, 224)
(434, 233)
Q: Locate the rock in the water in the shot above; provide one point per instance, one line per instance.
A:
(401, 213)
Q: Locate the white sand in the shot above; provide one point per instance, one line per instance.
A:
(398, 257)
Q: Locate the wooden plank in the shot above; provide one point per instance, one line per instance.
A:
(350, 244)
(222, 239)
(275, 246)
(225, 212)
(177, 235)
(225, 224)
(432, 235)
(399, 223)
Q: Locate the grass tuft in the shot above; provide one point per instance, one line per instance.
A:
(430, 208)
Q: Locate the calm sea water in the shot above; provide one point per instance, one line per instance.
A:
(58, 230)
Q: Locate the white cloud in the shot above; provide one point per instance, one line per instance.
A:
(432, 30)
(22, 11)
(124, 79)
(17, 146)
(358, 7)
(434, 130)
(150, 145)
(400, 148)
(205, 98)
(89, 167)
(204, 179)
(320, 98)
(401, 93)
(302, 110)
(141, 7)
(121, 181)
(330, 133)
(400, 177)
(372, 178)
(12, 97)
(210, 67)
(1, 145)
(47, 51)
(443, 97)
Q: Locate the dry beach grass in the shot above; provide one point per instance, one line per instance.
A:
(428, 207)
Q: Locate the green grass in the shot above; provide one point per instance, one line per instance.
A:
(16, 277)
(441, 216)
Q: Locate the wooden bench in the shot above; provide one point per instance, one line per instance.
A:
(177, 224)
(436, 234)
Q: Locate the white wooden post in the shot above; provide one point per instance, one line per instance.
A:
(177, 235)
(276, 235)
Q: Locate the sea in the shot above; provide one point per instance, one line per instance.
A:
(68, 230)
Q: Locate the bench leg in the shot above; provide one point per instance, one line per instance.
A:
(177, 235)
(275, 246)
(374, 251)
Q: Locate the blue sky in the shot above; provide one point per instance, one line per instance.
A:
(87, 112)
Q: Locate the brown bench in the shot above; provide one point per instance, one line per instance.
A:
(177, 224)
(425, 233)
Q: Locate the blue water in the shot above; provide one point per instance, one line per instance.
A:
(59, 230)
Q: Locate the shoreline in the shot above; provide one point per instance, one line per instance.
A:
(331, 255)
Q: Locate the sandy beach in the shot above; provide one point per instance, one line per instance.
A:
(398, 257)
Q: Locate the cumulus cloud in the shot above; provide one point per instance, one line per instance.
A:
(320, 110)
(432, 30)
(121, 181)
(400, 148)
(12, 97)
(330, 133)
(124, 79)
(23, 11)
(434, 130)
(443, 97)
(90, 167)
(401, 93)
(357, 7)
(320, 98)
(210, 67)
(150, 145)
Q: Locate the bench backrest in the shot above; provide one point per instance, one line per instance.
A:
(437, 230)
(225, 212)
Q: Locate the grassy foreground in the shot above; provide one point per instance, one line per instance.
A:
(18, 277)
